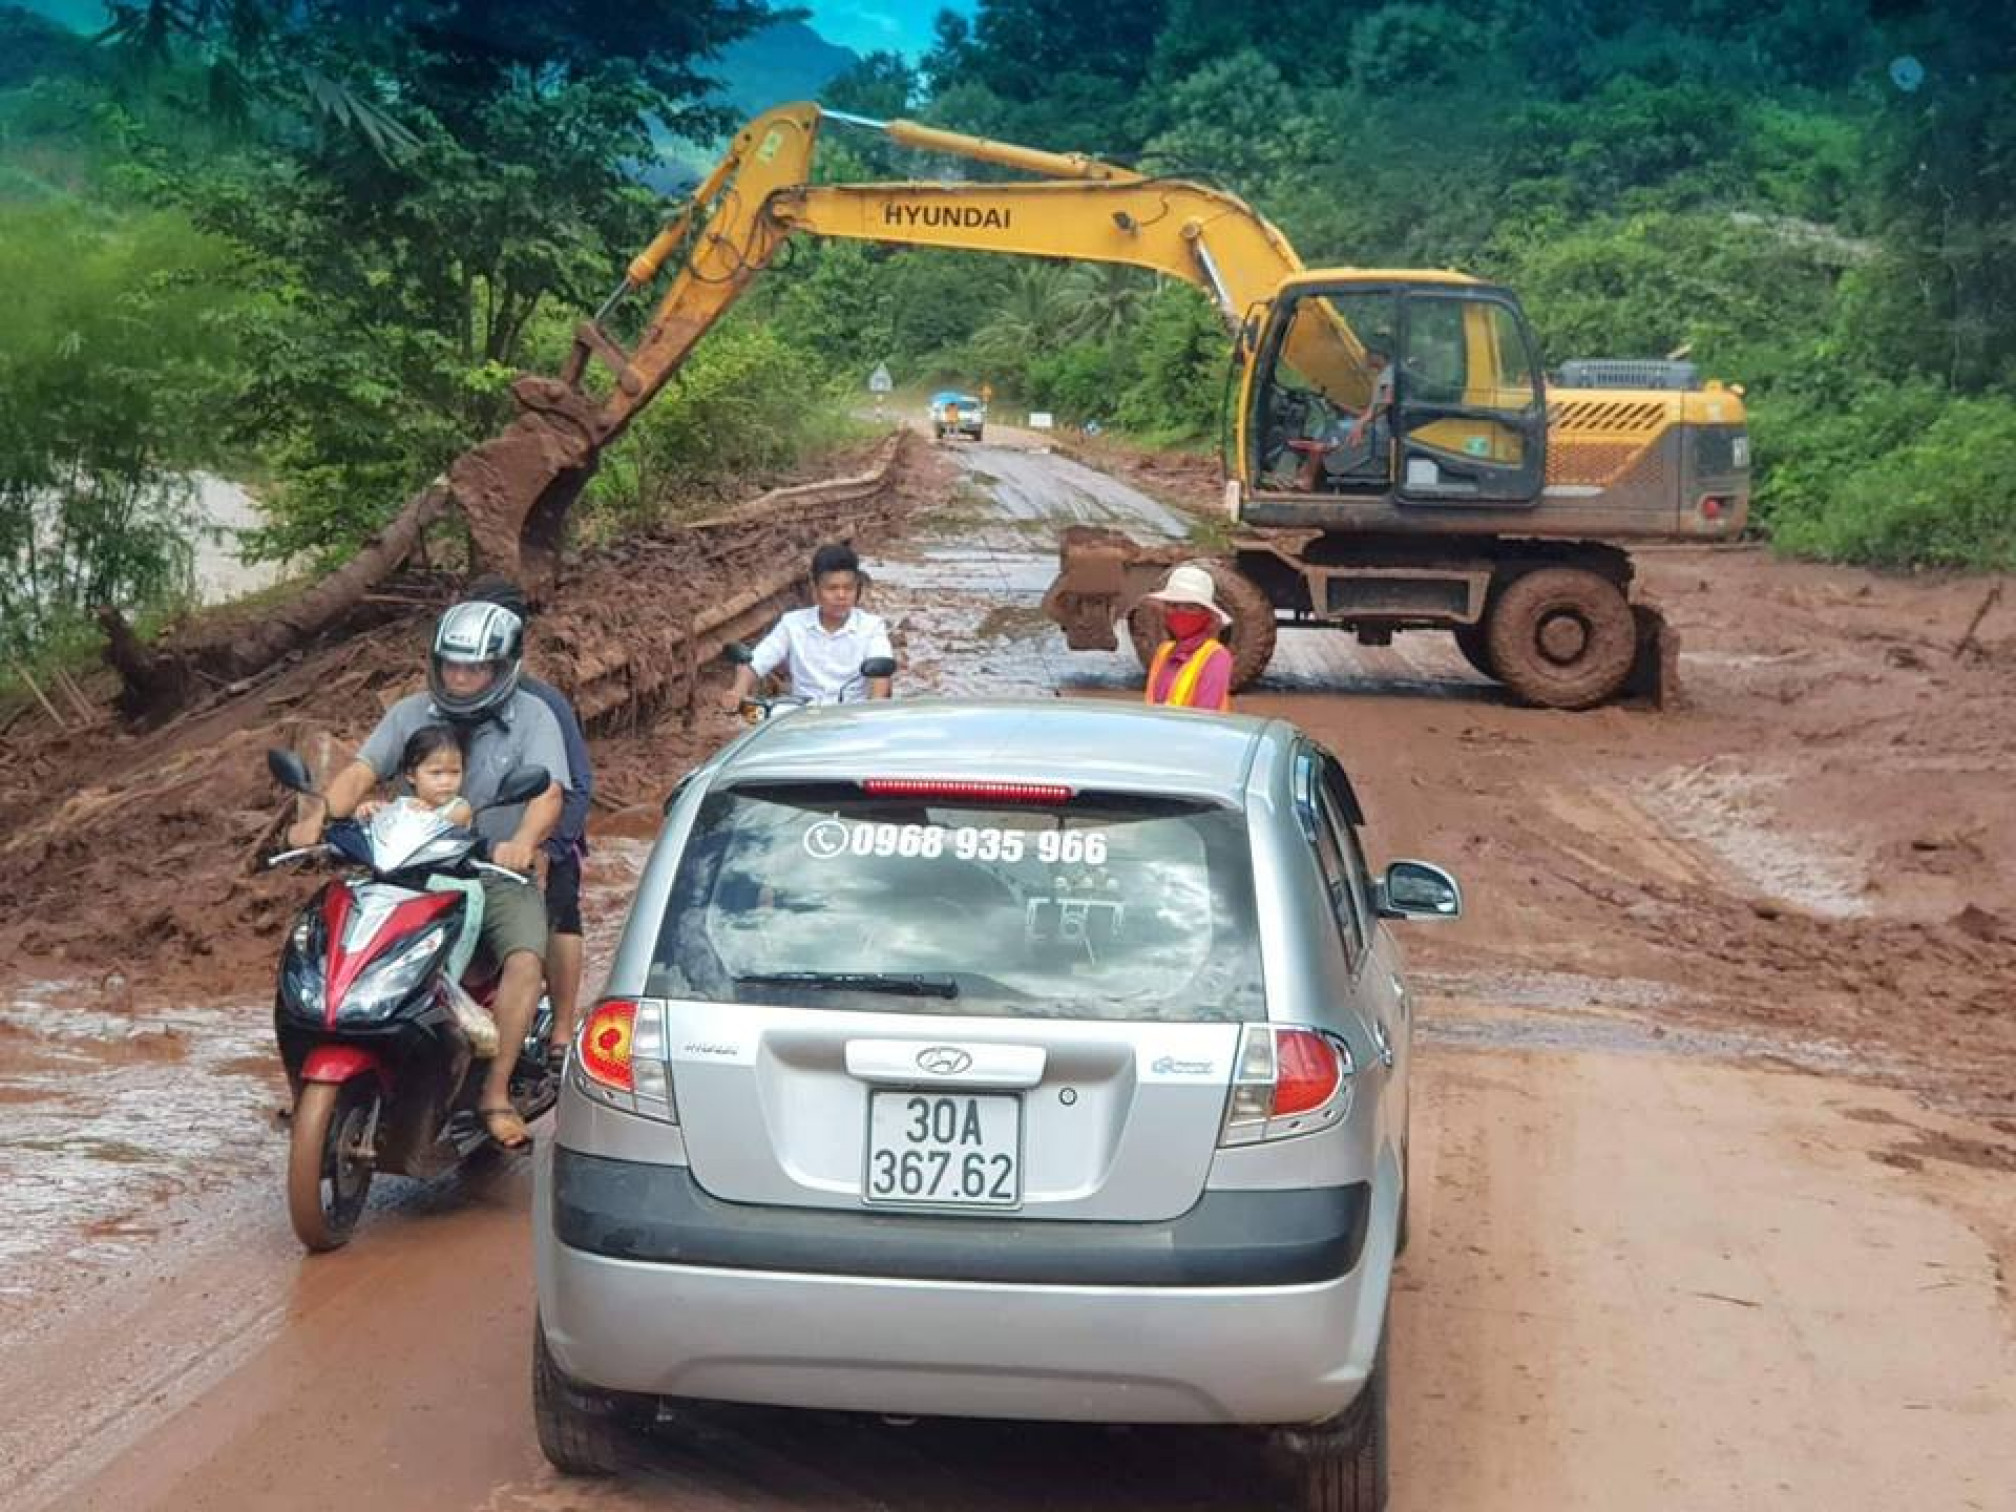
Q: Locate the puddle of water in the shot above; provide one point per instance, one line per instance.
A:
(1631, 1037)
(1058, 491)
(1569, 1013)
(113, 1121)
(1723, 806)
(120, 1126)
(1554, 991)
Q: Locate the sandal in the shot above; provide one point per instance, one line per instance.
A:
(505, 1127)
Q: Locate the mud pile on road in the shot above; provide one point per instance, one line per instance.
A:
(1812, 851)
(129, 860)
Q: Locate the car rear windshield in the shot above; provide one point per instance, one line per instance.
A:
(1098, 907)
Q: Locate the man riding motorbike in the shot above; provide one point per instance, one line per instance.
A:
(568, 843)
(472, 682)
(823, 645)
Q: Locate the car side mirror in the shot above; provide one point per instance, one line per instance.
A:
(290, 771)
(1416, 890)
(520, 785)
(737, 653)
(879, 666)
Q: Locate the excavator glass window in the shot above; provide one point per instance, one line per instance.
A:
(1470, 415)
(1326, 402)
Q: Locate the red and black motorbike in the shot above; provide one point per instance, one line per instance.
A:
(385, 1075)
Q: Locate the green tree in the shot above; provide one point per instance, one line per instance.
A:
(420, 178)
(1034, 316)
(1182, 352)
(115, 379)
(1237, 120)
(1106, 301)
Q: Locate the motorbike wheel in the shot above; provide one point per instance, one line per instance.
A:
(328, 1168)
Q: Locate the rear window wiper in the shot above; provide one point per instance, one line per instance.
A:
(901, 984)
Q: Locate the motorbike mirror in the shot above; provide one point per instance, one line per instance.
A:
(520, 784)
(879, 666)
(290, 771)
(737, 653)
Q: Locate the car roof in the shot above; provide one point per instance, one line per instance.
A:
(1082, 742)
(953, 396)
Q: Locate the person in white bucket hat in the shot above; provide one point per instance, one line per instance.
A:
(1191, 669)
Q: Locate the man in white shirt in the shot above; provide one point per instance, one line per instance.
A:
(823, 646)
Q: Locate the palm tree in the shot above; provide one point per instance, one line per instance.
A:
(1035, 317)
(1106, 301)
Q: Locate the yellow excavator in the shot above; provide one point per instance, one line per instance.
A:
(1395, 458)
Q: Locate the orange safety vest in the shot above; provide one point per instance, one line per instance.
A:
(1184, 689)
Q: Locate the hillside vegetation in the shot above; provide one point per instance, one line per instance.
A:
(1817, 202)
(310, 243)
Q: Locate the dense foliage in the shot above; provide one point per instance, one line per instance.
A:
(1817, 202)
(370, 216)
(310, 241)
(117, 355)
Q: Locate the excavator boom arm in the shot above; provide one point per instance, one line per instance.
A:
(516, 489)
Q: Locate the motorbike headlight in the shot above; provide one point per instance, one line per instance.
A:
(301, 981)
(385, 985)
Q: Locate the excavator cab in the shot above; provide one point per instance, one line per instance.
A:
(1402, 388)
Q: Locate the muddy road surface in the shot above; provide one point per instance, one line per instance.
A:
(1715, 1146)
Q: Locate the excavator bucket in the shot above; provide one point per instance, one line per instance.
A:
(515, 489)
(1654, 679)
(1101, 574)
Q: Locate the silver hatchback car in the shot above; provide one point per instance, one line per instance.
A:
(1021, 1060)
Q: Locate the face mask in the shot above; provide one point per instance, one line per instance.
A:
(1185, 622)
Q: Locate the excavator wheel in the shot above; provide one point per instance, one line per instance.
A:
(1250, 636)
(1562, 637)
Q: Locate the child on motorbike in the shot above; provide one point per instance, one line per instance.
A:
(431, 765)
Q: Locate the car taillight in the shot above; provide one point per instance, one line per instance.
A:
(620, 1058)
(992, 792)
(1289, 1081)
(607, 1041)
(1307, 1071)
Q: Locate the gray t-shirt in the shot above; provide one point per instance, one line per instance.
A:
(522, 733)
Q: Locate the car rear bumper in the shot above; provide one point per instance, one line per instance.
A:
(971, 1348)
(633, 1210)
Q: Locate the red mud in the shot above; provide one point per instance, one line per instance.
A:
(130, 858)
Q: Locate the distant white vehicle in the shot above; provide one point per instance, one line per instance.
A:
(957, 414)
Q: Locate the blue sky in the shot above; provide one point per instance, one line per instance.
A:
(864, 25)
(880, 25)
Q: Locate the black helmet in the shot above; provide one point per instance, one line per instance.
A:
(476, 634)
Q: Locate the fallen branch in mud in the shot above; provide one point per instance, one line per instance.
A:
(160, 681)
(40, 697)
(1974, 624)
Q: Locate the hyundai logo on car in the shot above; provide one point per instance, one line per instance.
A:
(943, 1060)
